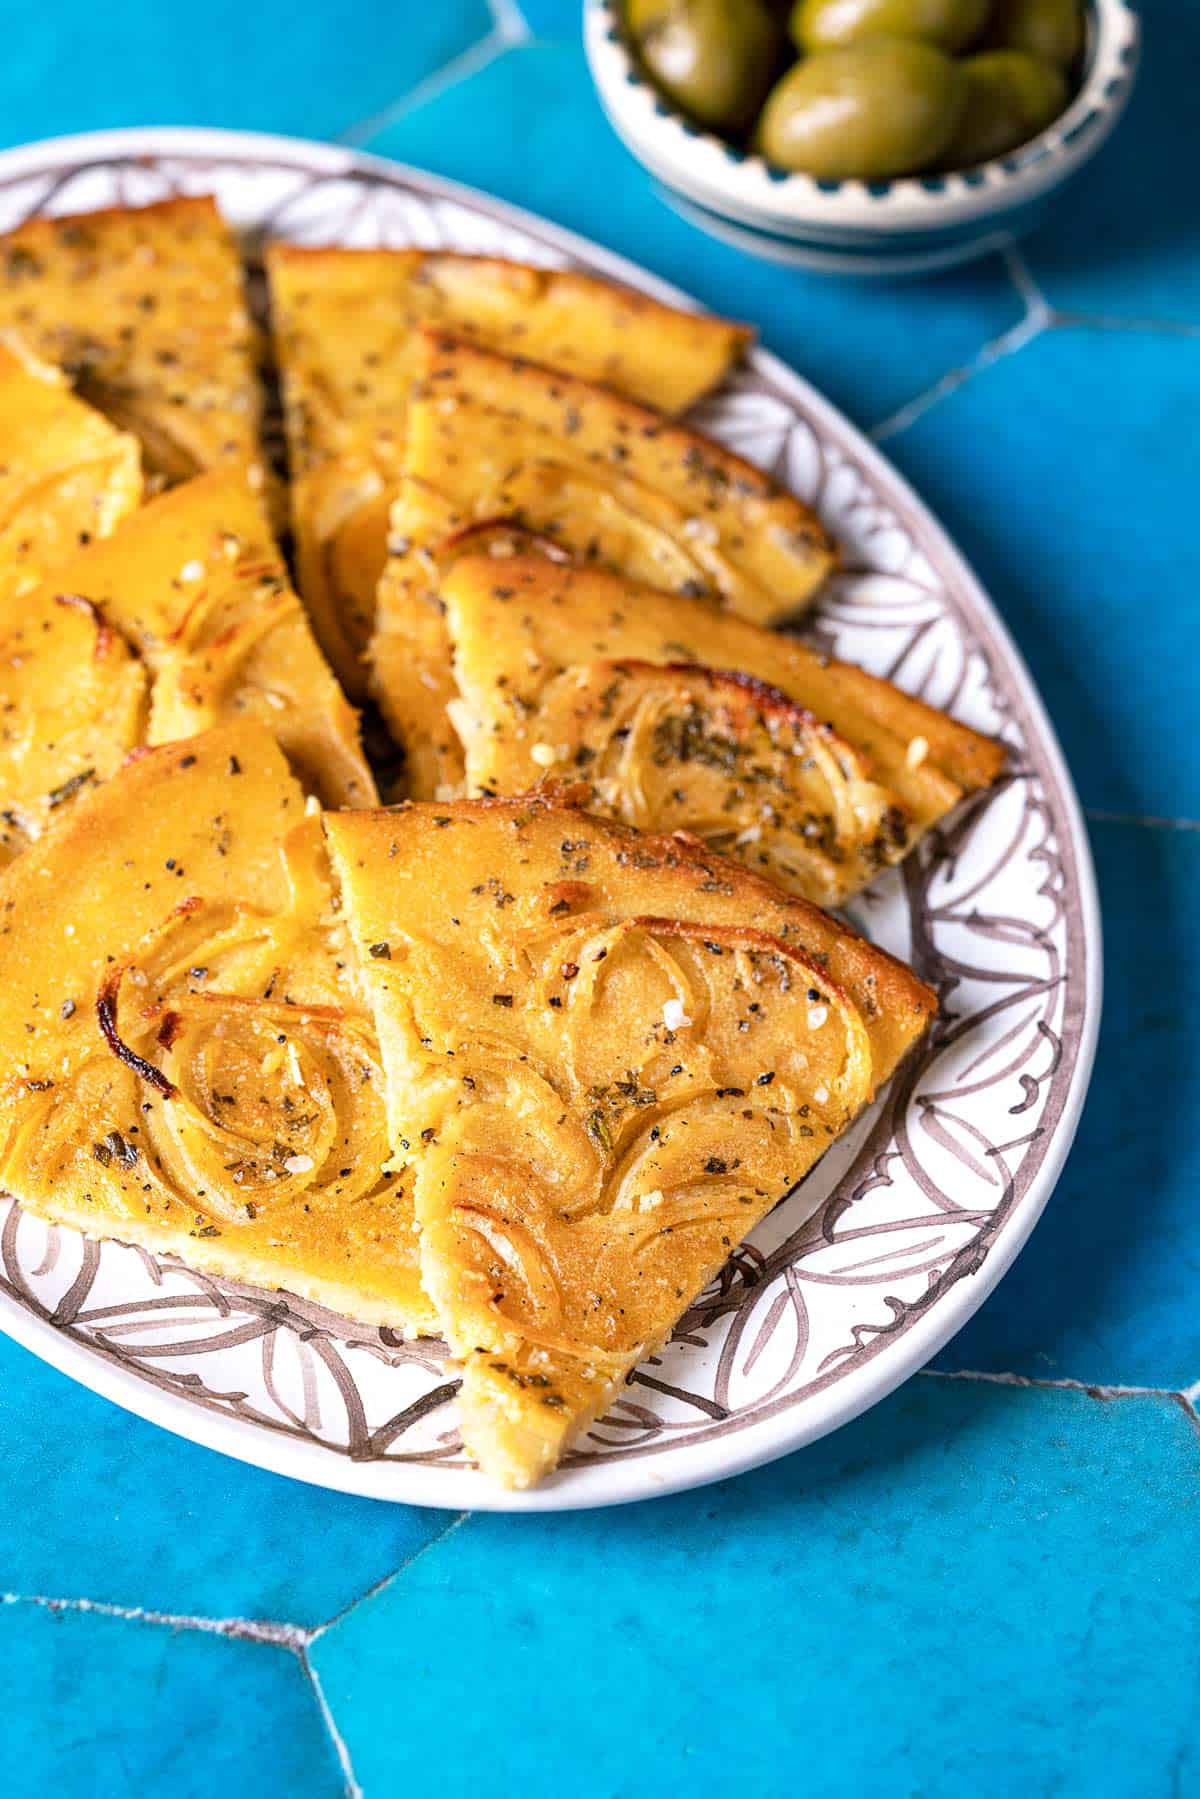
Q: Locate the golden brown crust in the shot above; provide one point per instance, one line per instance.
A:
(805, 768)
(691, 468)
(561, 318)
(492, 436)
(346, 329)
(144, 308)
(610, 1055)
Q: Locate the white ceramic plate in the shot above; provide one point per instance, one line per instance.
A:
(864, 1272)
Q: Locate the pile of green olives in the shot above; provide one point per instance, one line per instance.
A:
(864, 89)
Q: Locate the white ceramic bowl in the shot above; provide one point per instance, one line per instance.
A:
(905, 226)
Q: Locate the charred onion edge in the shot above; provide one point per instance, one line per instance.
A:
(769, 697)
(105, 635)
(748, 937)
(106, 1014)
(771, 701)
(469, 539)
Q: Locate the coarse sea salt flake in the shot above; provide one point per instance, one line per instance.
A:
(817, 1016)
(298, 1164)
(674, 1016)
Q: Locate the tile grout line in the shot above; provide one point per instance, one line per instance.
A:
(1030, 290)
(1025, 282)
(1007, 344)
(1094, 1390)
(510, 21)
(293, 1637)
(381, 1585)
(471, 61)
(1094, 321)
(340, 1746)
(1038, 316)
(1149, 819)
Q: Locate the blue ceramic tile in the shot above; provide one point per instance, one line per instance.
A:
(969, 1591)
(529, 128)
(1067, 472)
(104, 1708)
(1124, 242)
(1105, 1291)
(309, 69)
(100, 1505)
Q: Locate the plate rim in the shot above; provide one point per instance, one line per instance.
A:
(699, 1463)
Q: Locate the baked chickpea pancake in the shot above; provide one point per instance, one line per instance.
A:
(806, 769)
(186, 1065)
(607, 1057)
(610, 482)
(66, 475)
(196, 585)
(345, 324)
(145, 310)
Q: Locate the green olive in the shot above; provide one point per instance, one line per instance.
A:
(873, 110)
(1051, 29)
(1010, 98)
(714, 58)
(828, 24)
(640, 15)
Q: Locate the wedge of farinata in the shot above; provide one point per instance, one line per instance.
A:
(194, 583)
(144, 308)
(491, 437)
(345, 325)
(610, 1055)
(185, 1064)
(808, 770)
(66, 475)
